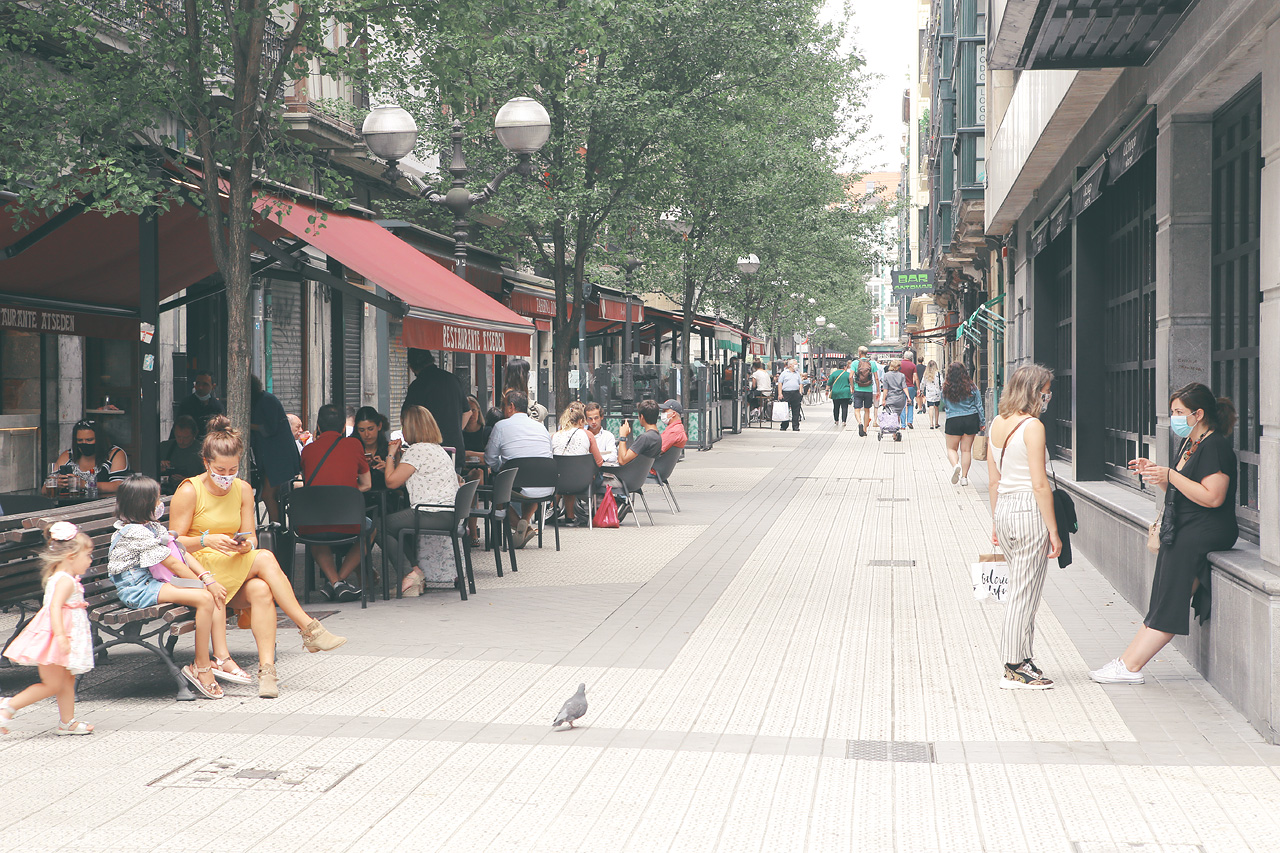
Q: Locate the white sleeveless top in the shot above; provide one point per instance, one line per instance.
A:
(1015, 472)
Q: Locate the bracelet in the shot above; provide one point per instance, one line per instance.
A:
(202, 535)
(209, 583)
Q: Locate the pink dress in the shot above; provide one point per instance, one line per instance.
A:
(37, 644)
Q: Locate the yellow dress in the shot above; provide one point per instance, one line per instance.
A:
(221, 514)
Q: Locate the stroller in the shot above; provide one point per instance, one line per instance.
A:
(888, 423)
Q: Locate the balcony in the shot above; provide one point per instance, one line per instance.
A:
(1080, 34)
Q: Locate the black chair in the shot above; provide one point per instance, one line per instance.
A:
(576, 478)
(450, 521)
(632, 476)
(661, 474)
(497, 534)
(535, 472)
(329, 506)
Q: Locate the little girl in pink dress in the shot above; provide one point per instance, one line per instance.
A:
(57, 640)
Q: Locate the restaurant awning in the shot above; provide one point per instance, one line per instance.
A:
(445, 312)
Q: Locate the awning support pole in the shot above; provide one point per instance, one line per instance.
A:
(149, 347)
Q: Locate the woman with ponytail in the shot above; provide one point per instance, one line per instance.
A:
(212, 517)
(1199, 517)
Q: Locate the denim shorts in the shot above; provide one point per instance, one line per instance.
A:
(136, 588)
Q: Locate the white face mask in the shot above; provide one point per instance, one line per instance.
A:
(223, 481)
(158, 512)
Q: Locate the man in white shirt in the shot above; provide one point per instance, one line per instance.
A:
(789, 390)
(605, 440)
(517, 436)
(761, 388)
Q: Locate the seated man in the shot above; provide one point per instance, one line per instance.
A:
(673, 433)
(335, 460)
(518, 436)
(180, 456)
(647, 443)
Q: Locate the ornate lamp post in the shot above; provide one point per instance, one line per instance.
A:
(522, 126)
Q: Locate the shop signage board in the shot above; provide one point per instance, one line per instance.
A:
(1132, 144)
(616, 310)
(1060, 219)
(532, 305)
(1089, 188)
(49, 322)
(1038, 240)
(454, 337)
(912, 282)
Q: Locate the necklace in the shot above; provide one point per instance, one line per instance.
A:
(1186, 454)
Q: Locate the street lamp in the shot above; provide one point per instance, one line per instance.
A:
(521, 125)
(750, 265)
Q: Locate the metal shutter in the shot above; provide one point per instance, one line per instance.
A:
(398, 368)
(352, 332)
(286, 345)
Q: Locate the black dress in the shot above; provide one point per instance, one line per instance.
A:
(1199, 530)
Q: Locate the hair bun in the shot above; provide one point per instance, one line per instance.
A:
(219, 423)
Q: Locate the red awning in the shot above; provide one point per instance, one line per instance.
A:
(532, 305)
(445, 311)
(612, 308)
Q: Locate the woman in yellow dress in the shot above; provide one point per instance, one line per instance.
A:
(206, 515)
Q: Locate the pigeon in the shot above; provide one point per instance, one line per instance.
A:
(573, 709)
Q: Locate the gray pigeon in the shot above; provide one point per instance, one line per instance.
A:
(573, 709)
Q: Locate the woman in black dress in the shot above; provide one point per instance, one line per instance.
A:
(1201, 498)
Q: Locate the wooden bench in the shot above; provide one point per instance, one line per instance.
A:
(155, 629)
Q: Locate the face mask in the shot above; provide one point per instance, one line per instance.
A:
(664, 417)
(86, 449)
(1044, 402)
(203, 398)
(223, 481)
(158, 512)
(1179, 425)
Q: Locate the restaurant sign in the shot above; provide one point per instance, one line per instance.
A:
(912, 282)
(45, 321)
(420, 333)
(531, 305)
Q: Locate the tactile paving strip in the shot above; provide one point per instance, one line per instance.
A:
(918, 752)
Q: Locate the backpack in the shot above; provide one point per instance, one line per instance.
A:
(863, 376)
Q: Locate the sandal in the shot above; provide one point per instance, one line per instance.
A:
(209, 691)
(6, 716)
(235, 675)
(73, 727)
(411, 586)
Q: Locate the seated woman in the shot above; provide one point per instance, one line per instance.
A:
(372, 428)
(426, 469)
(475, 437)
(574, 439)
(92, 450)
(212, 516)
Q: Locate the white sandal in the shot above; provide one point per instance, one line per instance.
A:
(6, 716)
(73, 727)
(232, 676)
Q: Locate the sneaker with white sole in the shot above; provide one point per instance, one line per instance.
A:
(964, 481)
(1024, 677)
(955, 474)
(1115, 672)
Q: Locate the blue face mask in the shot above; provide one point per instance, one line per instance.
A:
(1179, 425)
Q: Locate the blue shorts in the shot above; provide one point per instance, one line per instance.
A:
(136, 588)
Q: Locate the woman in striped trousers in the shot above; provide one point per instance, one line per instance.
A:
(1025, 526)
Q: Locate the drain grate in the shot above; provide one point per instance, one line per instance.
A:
(233, 774)
(1134, 847)
(891, 564)
(910, 751)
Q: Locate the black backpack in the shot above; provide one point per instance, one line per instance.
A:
(863, 376)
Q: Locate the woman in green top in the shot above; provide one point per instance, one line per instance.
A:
(841, 393)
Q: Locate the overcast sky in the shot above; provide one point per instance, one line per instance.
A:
(884, 31)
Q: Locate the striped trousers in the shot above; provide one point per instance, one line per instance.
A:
(1025, 541)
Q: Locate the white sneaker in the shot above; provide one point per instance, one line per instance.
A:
(964, 481)
(1115, 672)
(955, 474)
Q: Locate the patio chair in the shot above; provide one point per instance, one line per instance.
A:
(632, 477)
(496, 532)
(329, 506)
(450, 521)
(661, 474)
(576, 477)
(536, 472)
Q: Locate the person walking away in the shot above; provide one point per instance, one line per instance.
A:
(893, 391)
(1200, 493)
(966, 418)
(931, 388)
(908, 368)
(57, 640)
(761, 388)
(334, 459)
(440, 393)
(1024, 526)
(275, 450)
(789, 390)
(671, 414)
(840, 382)
(866, 387)
(515, 377)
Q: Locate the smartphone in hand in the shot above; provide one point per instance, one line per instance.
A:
(242, 535)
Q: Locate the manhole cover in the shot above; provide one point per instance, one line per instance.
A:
(224, 773)
(892, 564)
(917, 752)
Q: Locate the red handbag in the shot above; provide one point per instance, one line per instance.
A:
(607, 514)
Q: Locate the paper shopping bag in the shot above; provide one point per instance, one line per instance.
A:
(781, 411)
(980, 448)
(990, 577)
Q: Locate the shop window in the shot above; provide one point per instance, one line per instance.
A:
(1235, 283)
(1129, 322)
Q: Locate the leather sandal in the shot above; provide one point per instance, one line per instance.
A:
(209, 691)
(268, 683)
(73, 727)
(318, 638)
(234, 675)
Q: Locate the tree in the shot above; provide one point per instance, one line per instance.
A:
(97, 97)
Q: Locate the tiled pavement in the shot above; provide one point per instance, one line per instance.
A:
(793, 663)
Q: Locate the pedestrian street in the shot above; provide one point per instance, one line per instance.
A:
(794, 662)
